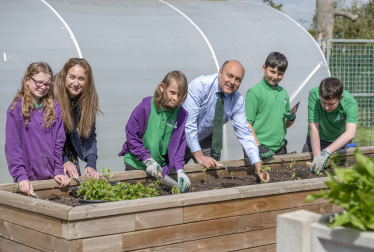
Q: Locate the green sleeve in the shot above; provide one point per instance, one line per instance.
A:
(251, 106)
(288, 103)
(313, 111)
(352, 113)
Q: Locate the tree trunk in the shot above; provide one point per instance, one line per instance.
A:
(326, 18)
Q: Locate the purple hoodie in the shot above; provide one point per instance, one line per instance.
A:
(33, 152)
(135, 129)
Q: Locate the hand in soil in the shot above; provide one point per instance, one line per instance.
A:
(205, 161)
(25, 186)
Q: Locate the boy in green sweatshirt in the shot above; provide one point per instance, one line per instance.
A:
(267, 107)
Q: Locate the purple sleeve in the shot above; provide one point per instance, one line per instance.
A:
(13, 146)
(60, 141)
(134, 134)
(179, 156)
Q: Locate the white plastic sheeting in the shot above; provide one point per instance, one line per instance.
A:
(132, 44)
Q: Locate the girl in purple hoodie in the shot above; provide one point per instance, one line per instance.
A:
(155, 131)
(34, 134)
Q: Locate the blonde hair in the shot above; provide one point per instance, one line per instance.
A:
(181, 81)
(88, 100)
(27, 99)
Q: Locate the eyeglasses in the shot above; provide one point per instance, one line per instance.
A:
(39, 84)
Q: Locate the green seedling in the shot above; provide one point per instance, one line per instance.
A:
(176, 190)
(298, 178)
(101, 189)
(204, 170)
(265, 169)
(105, 173)
(232, 174)
(293, 176)
(293, 161)
(335, 159)
(220, 187)
(346, 164)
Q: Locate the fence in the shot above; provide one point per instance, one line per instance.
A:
(351, 61)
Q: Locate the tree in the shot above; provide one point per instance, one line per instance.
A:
(273, 5)
(326, 15)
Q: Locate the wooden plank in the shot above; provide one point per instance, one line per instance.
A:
(153, 237)
(34, 205)
(336, 208)
(41, 223)
(11, 246)
(234, 208)
(160, 218)
(110, 243)
(281, 187)
(33, 238)
(297, 199)
(211, 228)
(171, 248)
(269, 219)
(233, 241)
(140, 205)
(99, 226)
(266, 248)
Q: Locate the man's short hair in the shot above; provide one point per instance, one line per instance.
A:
(227, 61)
(331, 88)
(276, 59)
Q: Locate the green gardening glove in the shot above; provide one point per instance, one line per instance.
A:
(289, 116)
(153, 168)
(265, 152)
(320, 162)
(183, 181)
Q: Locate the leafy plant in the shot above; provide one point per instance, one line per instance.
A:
(175, 190)
(335, 159)
(232, 174)
(293, 161)
(204, 169)
(105, 172)
(101, 189)
(346, 164)
(353, 190)
(293, 176)
(265, 169)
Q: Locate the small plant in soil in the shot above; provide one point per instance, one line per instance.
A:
(101, 189)
(293, 161)
(175, 190)
(204, 169)
(265, 169)
(232, 174)
(294, 176)
(335, 159)
(353, 190)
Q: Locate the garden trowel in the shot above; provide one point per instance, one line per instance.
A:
(169, 182)
(32, 193)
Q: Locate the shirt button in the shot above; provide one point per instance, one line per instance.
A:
(163, 119)
(207, 120)
(212, 110)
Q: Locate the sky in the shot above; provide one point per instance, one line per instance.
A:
(301, 9)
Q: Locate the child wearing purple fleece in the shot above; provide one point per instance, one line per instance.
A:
(155, 131)
(34, 134)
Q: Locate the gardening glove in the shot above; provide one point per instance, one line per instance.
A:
(289, 116)
(153, 168)
(320, 162)
(265, 152)
(183, 181)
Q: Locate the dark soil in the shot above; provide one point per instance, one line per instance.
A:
(69, 201)
(284, 173)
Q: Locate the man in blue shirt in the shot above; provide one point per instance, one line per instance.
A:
(209, 95)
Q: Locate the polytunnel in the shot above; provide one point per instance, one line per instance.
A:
(132, 44)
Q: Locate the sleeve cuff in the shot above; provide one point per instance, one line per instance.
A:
(91, 161)
(65, 159)
(194, 146)
(59, 171)
(22, 177)
(254, 158)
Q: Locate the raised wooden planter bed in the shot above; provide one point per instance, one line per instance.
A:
(233, 219)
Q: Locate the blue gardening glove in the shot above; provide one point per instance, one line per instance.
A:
(153, 168)
(183, 181)
(320, 162)
(265, 152)
(289, 116)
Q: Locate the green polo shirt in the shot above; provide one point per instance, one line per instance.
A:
(156, 137)
(264, 107)
(331, 124)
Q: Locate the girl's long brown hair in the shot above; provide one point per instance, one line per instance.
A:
(26, 98)
(88, 100)
(181, 81)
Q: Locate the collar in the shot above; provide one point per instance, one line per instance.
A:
(217, 88)
(38, 107)
(270, 87)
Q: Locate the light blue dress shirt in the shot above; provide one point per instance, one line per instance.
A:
(201, 103)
